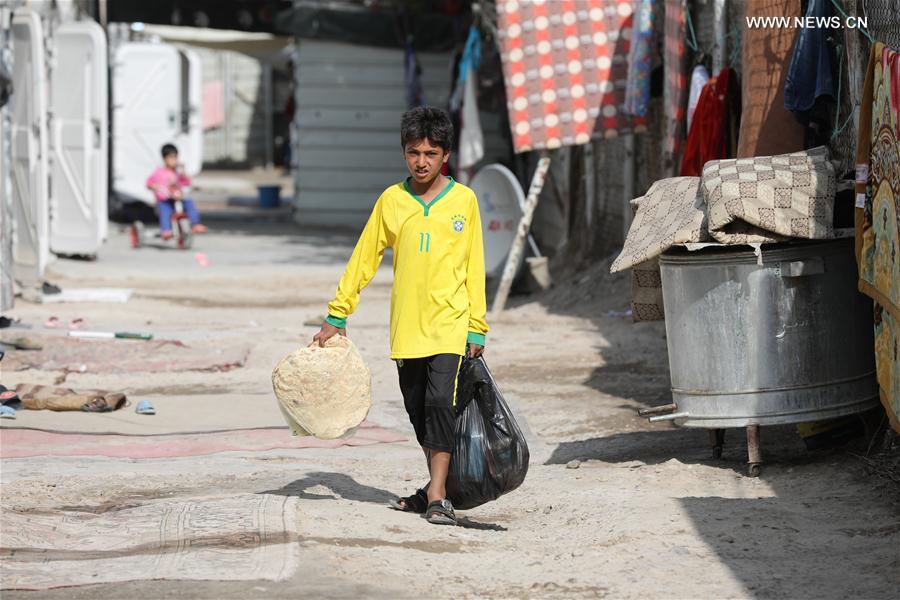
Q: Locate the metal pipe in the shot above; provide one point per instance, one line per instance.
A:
(590, 180)
(720, 15)
(627, 184)
(269, 112)
(657, 410)
(671, 417)
(754, 457)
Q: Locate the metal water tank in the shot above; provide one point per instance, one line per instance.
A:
(783, 338)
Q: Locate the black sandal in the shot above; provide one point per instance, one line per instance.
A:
(440, 512)
(417, 503)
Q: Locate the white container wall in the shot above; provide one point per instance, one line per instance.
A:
(78, 140)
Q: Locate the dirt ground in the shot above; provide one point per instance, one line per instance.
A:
(612, 506)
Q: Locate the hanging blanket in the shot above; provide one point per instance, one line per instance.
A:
(565, 69)
(878, 215)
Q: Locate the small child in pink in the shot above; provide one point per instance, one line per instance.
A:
(168, 184)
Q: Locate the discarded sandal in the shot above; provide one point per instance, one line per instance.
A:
(440, 512)
(7, 412)
(10, 398)
(417, 503)
(145, 408)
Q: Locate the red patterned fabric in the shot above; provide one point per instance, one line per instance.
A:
(565, 67)
(675, 93)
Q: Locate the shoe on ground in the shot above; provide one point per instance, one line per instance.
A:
(198, 228)
(166, 235)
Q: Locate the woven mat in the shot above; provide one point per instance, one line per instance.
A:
(125, 356)
(22, 443)
(246, 537)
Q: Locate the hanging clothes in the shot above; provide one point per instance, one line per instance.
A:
(713, 132)
(878, 215)
(810, 76)
(675, 92)
(767, 127)
(412, 71)
(637, 87)
(471, 139)
(699, 78)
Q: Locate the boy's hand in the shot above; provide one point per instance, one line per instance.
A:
(327, 332)
(475, 350)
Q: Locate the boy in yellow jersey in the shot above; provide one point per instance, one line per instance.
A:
(438, 300)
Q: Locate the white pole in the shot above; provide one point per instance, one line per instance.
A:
(518, 245)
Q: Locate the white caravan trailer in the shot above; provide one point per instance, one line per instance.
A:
(156, 100)
(78, 139)
(31, 248)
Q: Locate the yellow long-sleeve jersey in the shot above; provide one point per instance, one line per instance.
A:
(438, 299)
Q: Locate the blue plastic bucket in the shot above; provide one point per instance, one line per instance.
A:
(269, 196)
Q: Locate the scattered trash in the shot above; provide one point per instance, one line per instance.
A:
(113, 295)
(44, 397)
(144, 407)
(49, 289)
(7, 412)
(108, 335)
(22, 343)
(7, 322)
(618, 313)
(573, 464)
(201, 259)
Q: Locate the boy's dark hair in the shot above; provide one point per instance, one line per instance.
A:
(169, 149)
(427, 122)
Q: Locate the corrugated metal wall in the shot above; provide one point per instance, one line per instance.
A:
(347, 127)
(240, 141)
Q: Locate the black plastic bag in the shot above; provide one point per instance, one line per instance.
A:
(490, 456)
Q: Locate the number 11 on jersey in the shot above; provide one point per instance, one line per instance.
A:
(424, 242)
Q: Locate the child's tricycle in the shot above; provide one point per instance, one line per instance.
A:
(181, 230)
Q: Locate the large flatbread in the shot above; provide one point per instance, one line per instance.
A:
(324, 392)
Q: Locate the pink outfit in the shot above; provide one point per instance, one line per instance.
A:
(165, 181)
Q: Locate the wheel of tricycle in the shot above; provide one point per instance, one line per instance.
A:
(137, 234)
(185, 239)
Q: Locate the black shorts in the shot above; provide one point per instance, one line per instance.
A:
(429, 388)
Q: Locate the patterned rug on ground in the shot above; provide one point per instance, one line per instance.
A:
(251, 536)
(126, 356)
(22, 443)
